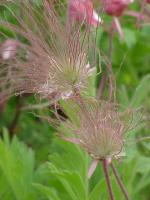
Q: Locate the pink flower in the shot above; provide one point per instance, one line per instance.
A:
(148, 1)
(80, 10)
(8, 49)
(116, 7)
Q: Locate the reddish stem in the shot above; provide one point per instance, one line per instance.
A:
(16, 117)
(102, 86)
(119, 181)
(107, 178)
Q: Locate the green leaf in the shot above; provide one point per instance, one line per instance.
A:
(16, 170)
(73, 184)
(47, 192)
(130, 37)
(123, 96)
(141, 92)
(67, 171)
(95, 194)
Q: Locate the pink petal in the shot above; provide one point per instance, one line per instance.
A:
(81, 10)
(92, 168)
(115, 7)
(118, 28)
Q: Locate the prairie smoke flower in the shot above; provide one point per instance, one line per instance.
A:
(53, 63)
(115, 7)
(82, 10)
(99, 127)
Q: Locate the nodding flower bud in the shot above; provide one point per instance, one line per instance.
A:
(148, 1)
(115, 7)
(82, 10)
(99, 127)
(8, 49)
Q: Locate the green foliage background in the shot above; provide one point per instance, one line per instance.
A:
(36, 165)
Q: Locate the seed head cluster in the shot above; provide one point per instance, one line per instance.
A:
(99, 127)
(53, 61)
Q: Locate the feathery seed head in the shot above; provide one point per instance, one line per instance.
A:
(99, 127)
(54, 60)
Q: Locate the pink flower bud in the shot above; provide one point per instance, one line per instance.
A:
(80, 10)
(148, 1)
(116, 7)
(8, 48)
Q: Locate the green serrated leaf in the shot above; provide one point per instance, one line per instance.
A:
(47, 192)
(16, 170)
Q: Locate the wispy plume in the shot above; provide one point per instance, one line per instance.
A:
(100, 127)
(53, 60)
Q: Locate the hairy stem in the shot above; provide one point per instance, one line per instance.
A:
(102, 86)
(16, 117)
(107, 178)
(107, 73)
(2, 107)
(119, 181)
